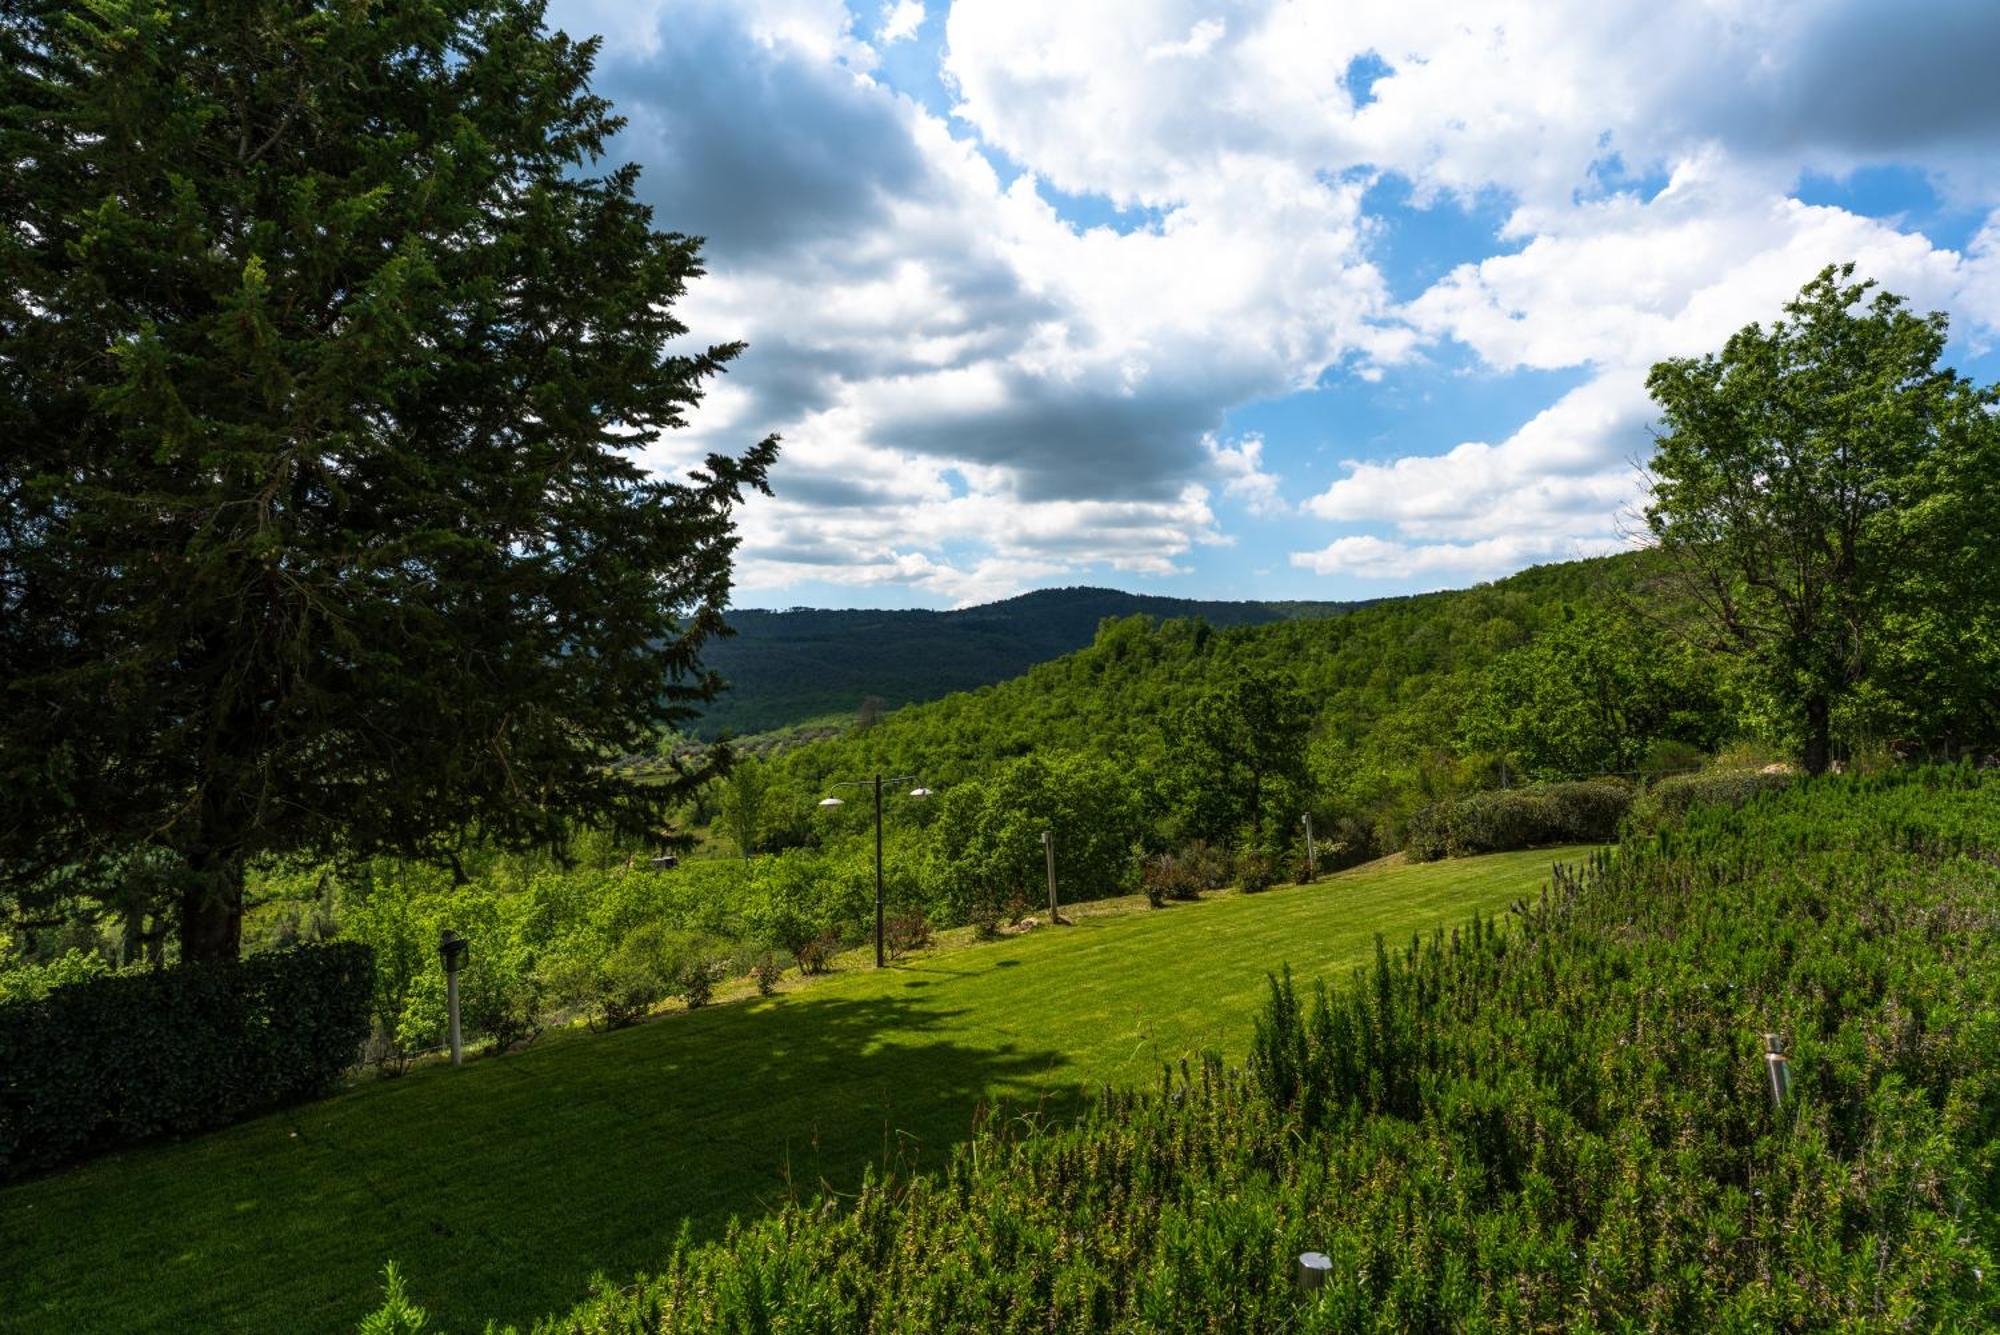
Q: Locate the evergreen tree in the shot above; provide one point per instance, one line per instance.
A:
(324, 355)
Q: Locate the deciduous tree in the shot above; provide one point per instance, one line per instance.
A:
(1798, 482)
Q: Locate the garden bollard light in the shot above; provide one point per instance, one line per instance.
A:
(1314, 1267)
(453, 949)
(1778, 1069)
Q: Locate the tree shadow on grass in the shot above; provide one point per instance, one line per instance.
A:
(501, 1188)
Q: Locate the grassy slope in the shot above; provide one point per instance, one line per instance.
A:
(504, 1186)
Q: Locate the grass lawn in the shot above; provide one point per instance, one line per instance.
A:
(501, 1187)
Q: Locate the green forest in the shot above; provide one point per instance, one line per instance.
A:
(791, 666)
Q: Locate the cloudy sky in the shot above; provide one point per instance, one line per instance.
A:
(1261, 299)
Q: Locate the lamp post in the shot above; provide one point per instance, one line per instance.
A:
(831, 803)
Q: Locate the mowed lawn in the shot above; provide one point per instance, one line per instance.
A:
(500, 1188)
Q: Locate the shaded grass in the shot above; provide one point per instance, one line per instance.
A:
(504, 1186)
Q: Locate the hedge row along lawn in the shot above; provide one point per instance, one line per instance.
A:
(1562, 1126)
(502, 1187)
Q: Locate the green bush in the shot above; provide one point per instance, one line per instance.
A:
(128, 1057)
(1668, 802)
(906, 932)
(614, 983)
(694, 982)
(800, 897)
(32, 982)
(400, 915)
(1500, 820)
(1171, 876)
(1255, 871)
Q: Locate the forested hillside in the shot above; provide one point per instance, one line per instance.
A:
(785, 667)
(1231, 734)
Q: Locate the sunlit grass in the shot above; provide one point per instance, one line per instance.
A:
(502, 1187)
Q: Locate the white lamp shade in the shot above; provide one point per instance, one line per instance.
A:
(831, 802)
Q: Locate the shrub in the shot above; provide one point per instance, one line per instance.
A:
(1499, 820)
(32, 982)
(767, 971)
(129, 1057)
(1668, 802)
(614, 984)
(694, 981)
(1255, 871)
(501, 997)
(816, 956)
(800, 896)
(905, 932)
(1206, 866)
(1166, 876)
(1587, 813)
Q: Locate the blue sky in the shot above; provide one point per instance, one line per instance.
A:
(1263, 299)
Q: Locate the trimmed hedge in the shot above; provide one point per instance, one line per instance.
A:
(1505, 819)
(130, 1057)
(1667, 802)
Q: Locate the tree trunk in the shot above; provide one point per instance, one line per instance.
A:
(1819, 745)
(212, 913)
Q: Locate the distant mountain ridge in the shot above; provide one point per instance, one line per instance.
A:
(787, 667)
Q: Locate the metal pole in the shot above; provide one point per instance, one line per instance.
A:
(451, 1003)
(1049, 851)
(878, 871)
(1312, 850)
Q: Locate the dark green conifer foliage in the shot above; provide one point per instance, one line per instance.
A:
(324, 356)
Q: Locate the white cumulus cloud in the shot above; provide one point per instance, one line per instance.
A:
(900, 20)
(978, 392)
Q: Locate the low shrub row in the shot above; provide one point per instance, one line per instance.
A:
(128, 1057)
(1558, 1122)
(606, 945)
(1669, 801)
(1198, 867)
(1497, 821)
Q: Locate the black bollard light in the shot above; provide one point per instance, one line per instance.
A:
(454, 950)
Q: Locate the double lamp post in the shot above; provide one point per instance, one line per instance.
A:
(834, 803)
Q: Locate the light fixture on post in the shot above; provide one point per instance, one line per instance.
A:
(829, 803)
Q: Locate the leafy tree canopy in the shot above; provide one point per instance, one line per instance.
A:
(989, 834)
(1593, 694)
(1814, 488)
(324, 350)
